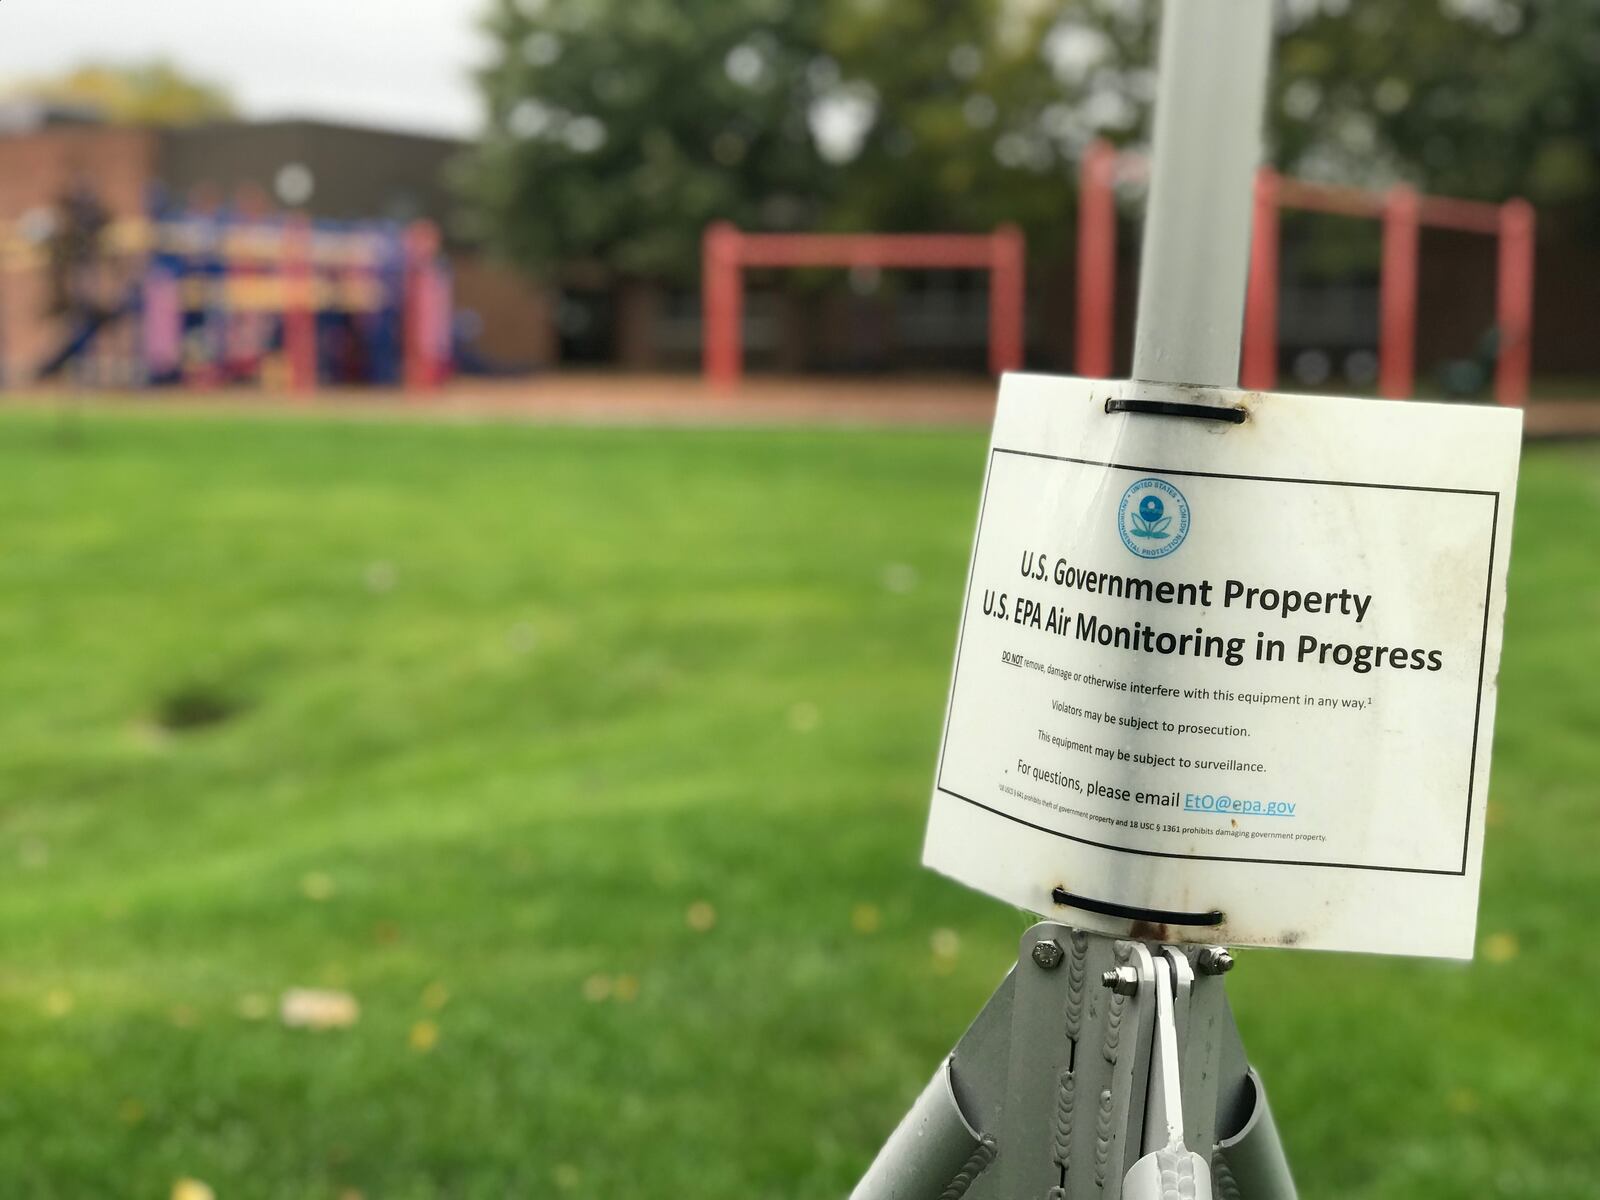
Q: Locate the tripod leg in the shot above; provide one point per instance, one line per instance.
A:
(1250, 1163)
(933, 1151)
(946, 1140)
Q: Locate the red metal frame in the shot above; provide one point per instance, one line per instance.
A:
(727, 251)
(1258, 366)
(299, 315)
(1403, 212)
(1097, 262)
(1397, 293)
(426, 314)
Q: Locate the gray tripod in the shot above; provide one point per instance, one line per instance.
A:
(1106, 1068)
(1100, 1068)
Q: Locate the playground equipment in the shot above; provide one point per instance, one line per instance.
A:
(728, 251)
(1402, 211)
(212, 299)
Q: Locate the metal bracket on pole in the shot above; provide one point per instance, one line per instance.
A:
(1169, 1168)
(1100, 1068)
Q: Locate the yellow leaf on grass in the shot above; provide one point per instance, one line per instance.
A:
(435, 996)
(1501, 947)
(567, 1176)
(313, 1008)
(946, 946)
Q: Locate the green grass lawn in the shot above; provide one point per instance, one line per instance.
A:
(594, 765)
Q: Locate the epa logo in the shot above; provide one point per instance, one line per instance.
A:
(1153, 518)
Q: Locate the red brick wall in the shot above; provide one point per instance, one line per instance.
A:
(35, 169)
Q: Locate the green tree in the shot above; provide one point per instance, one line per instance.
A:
(1483, 98)
(982, 108)
(148, 93)
(617, 129)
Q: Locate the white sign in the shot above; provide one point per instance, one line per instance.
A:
(1231, 682)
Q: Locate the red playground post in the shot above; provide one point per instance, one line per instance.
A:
(722, 299)
(1514, 307)
(1007, 299)
(1403, 213)
(1397, 294)
(727, 251)
(299, 307)
(1097, 261)
(426, 363)
(1258, 365)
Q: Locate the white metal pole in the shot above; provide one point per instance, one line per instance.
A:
(1209, 103)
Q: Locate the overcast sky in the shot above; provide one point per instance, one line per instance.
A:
(398, 63)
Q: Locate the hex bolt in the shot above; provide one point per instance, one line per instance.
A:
(1047, 954)
(1213, 960)
(1124, 981)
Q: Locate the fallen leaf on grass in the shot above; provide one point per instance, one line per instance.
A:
(946, 945)
(192, 1189)
(701, 916)
(424, 1036)
(567, 1176)
(381, 577)
(33, 854)
(804, 716)
(865, 918)
(900, 578)
(313, 1008)
(435, 996)
(1500, 947)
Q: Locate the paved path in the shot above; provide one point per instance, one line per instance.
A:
(579, 398)
(684, 400)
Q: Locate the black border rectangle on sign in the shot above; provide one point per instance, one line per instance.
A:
(1477, 713)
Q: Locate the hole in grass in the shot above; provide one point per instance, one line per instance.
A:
(196, 706)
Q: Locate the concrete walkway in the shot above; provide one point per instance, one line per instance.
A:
(582, 398)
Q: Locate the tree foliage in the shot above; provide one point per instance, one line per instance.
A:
(147, 93)
(1483, 98)
(981, 109)
(619, 128)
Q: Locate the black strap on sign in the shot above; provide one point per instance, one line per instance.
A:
(1156, 916)
(1172, 408)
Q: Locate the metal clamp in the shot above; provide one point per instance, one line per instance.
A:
(1101, 1068)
